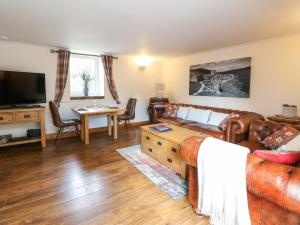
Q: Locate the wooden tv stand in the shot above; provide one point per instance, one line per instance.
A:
(24, 115)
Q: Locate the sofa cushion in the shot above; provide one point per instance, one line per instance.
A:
(292, 145)
(216, 118)
(176, 121)
(170, 111)
(183, 112)
(206, 129)
(252, 145)
(199, 115)
(280, 137)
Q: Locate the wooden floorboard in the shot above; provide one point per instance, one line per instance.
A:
(73, 183)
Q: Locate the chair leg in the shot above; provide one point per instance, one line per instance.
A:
(61, 134)
(126, 124)
(119, 121)
(77, 130)
(129, 123)
(58, 133)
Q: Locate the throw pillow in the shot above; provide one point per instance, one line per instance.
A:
(170, 111)
(292, 145)
(216, 118)
(280, 137)
(290, 158)
(199, 115)
(183, 112)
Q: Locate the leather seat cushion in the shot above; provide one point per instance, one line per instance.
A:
(211, 130)
(71, 122)
(125, 117)
(176, 121)
(252, 145)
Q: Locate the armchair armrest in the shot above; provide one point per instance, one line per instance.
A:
(277, 183)
(237, 128)
(189, 149)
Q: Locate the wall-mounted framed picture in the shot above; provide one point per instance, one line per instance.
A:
(228, 78)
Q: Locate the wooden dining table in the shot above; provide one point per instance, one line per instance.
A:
(86, 112)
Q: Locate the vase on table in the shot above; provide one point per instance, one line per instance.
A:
(86, 89)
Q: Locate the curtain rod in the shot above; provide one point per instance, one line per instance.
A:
(75, 53)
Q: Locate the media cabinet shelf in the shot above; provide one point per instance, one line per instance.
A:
(24, 115)
(12, 143)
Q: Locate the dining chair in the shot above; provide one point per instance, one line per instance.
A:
(62, 124)
(129, 113)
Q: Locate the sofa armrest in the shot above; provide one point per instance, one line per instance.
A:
(237, 129)
(189, 149)
(277, 183)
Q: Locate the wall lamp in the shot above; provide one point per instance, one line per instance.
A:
(143, 61)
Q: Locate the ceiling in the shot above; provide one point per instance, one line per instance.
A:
(154, 26)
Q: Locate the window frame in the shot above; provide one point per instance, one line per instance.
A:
(97, 79)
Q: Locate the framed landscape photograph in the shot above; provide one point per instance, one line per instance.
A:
(229, 78)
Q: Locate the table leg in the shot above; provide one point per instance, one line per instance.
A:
(82, 128)
(109, 124)
(115, 125)
(43, 129)
(86, 130)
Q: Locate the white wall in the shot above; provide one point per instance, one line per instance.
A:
(275, 78)
(275, 75)
(130, 82)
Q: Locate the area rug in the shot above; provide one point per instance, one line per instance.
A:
(166, 179)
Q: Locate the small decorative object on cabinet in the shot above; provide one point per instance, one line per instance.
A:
(288, 116)
(33, 133)
(289, 111)
(5, 138)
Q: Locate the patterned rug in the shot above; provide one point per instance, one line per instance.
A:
(166, 179)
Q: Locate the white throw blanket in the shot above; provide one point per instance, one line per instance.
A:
(222, 182)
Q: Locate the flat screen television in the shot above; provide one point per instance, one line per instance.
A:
(21, 88)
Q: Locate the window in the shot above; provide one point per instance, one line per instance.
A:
(86, 77)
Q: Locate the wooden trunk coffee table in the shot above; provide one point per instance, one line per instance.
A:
(165, 146)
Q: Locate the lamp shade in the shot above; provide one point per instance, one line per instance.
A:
(289, 111)
(160, 87)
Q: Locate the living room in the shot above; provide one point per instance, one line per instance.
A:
(151, 52)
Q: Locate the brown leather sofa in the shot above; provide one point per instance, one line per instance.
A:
(215, 131)
(273, 189)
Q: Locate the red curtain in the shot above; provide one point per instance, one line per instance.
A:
(63, 58)
(107, 61)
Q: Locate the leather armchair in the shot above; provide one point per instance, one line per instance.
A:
(152, 109)
(250, 132)
(189, 153)
(157, 110)
(273, 189)
(273, 192)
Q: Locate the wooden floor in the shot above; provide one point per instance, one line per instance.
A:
(70, 183)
